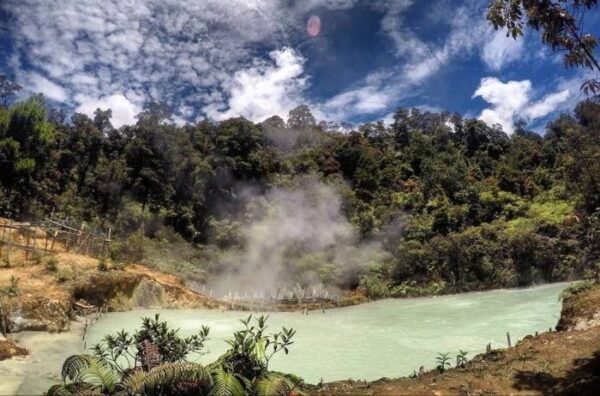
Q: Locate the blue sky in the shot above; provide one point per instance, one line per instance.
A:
(255, 58)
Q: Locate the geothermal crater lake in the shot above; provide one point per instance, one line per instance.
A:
(388, 338)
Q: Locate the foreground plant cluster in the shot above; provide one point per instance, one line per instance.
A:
(153, 361)
(453, 203)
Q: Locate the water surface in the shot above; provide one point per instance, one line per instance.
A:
(388, 338)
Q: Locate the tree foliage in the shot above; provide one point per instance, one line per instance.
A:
(456, 204)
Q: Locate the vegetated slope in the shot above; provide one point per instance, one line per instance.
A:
(453, 203)
(42, 293)
(555, 363)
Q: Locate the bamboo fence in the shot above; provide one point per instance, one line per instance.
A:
(51, 235)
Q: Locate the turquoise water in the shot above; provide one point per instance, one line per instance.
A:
(388, 338)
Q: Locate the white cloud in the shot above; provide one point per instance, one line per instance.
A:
(265, 89)
(168, 50)
(512, 100)
(548, 104)
(500, 50)
(40, 84)
(123, 110)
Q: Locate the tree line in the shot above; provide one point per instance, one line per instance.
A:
(458, 204)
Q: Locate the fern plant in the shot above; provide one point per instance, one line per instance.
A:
(274, 385)
(226, 384)
(180, 378)
(87, 372)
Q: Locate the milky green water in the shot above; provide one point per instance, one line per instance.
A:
(389, 338)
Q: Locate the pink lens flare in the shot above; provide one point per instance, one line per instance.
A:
(313, 26)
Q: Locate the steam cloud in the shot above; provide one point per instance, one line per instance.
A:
(296, 235)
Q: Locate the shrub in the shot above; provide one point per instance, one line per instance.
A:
(52, 264)
(102, 265)
(36, 257)
(374, 286)
(64, 274)
(575, 289)
(129, 250)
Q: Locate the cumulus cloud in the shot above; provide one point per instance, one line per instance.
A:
(123, 110)
(500, 50)
(265, 89)
(40, 84)
(182, 53)
(512, 100)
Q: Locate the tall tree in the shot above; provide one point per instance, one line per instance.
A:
(8, 89)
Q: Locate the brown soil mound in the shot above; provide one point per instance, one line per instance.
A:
(580, 311)
(9, 349)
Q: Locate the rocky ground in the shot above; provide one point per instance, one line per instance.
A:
(565, 362)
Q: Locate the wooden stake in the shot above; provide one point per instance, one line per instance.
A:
(46, 244)
(27, 250)
(53, 240)
(508, 338)
(9, 244)
(34, 238)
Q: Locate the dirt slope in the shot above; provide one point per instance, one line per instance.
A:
(49, 287)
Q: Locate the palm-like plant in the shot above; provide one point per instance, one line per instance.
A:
(443, 361)
(461, 358)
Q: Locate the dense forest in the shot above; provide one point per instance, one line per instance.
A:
(447, 203)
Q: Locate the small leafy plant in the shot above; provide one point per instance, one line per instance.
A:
(153, 344)
(443, 361)
(13, 288)
(461, 358)
(251, 349)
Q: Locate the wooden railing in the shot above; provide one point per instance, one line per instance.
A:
(51, 235)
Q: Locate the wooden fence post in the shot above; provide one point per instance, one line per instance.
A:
(53, 240)
(508, 338)
(9, 244)
(2, 243)
(27, 244)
